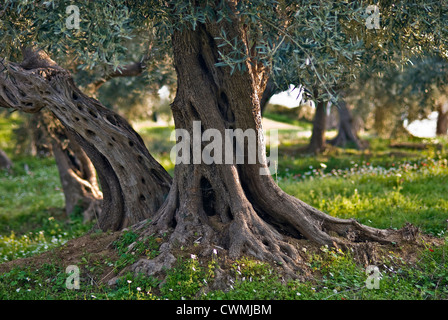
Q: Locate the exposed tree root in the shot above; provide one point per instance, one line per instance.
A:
(271, 237)
(256, 238)
(258, 220)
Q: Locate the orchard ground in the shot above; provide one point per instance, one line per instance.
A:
(382, 186)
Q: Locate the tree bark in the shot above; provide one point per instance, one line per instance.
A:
(346, 133)
(76, 171)
(134, 185)
(318, 142)
(229, 204)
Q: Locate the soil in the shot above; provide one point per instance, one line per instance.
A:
(98, 249)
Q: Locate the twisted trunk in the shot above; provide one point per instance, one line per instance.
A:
(235, 204)
(133, 183)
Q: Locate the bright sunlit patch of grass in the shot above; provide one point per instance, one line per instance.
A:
(381, 197)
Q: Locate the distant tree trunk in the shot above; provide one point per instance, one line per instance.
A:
(76, 171)
(5, 162)
(380, 122)
(333, 118)
(268, 92)
(31, 138)
(78, 180)
(442, 119)
(398, 129)
(346, 133)
(318, 142)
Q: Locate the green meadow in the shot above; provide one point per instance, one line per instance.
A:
(383, 187)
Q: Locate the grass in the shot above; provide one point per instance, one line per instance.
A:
(378, 196)
(302, 125)
(340, 278)
(32, 215)
(381, 187)
(7, 125)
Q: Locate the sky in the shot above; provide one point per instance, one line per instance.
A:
(287, 98)
(423, 128)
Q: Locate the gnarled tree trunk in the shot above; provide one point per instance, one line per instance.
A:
(229, 204)
(134, 185)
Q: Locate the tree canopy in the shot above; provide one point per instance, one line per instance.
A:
(312, 43)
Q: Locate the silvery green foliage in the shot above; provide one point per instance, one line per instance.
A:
(321, 44)
(104, 28)
(425, 72)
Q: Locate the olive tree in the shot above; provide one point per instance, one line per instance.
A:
(223, 53)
